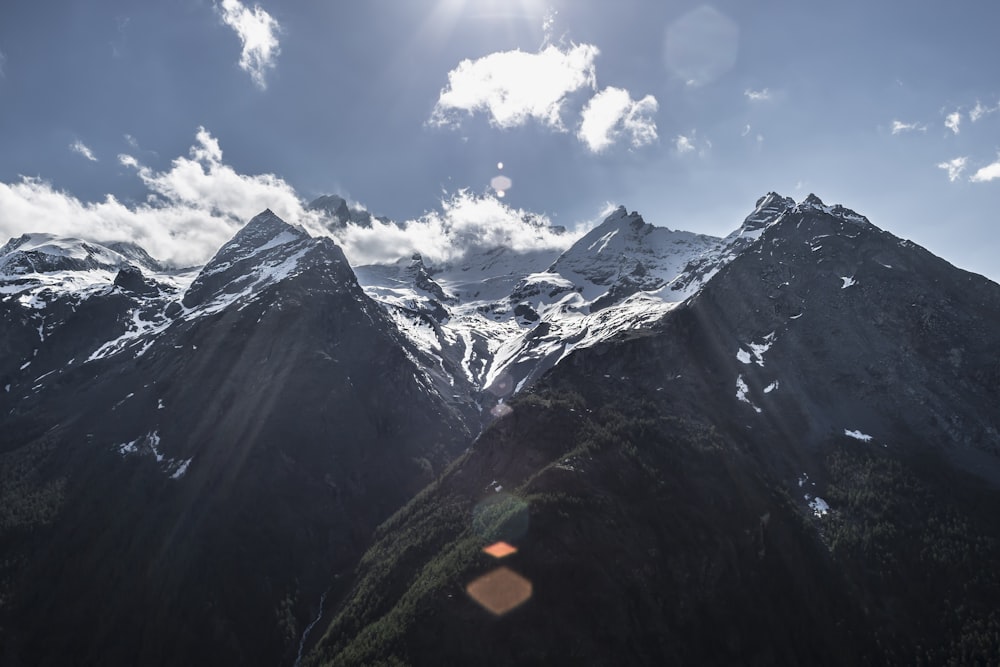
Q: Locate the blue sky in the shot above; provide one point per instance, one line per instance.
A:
(191, 114)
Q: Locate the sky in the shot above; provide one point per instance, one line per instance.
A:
(172, 123)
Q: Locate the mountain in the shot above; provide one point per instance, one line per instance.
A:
(338, 213)
(799, 464)
(779, 446)
(199, 461)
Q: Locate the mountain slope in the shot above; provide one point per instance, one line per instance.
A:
(202, 473)
(797, 466)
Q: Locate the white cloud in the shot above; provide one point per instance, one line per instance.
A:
(990, 172)
(466, 222)
(548, 26)
(203, 181)
(746, 130)
(899, 127)
(197, 204)
(258, 31)
(757, 95)
(684, 144)
(979, 111)
(514, 86)
(612, 113)
(131, 141)
(954, 168)
(193, 208)
(81, 148)
(952, 121)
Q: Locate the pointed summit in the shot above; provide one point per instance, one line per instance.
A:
(769, 208)
(814, 203)
(264, 244)
(265, 228)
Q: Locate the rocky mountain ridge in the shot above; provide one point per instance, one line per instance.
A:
(673, 427)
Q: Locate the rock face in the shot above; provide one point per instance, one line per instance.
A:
(797, 465)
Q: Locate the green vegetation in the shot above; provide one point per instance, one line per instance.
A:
(917, 550)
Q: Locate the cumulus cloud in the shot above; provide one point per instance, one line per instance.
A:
(199, 202)
(898, 127)
(203, 180)
(514, 87)
(612, 113)
(954, 168)
(757, 95)
(193, 207)
(952, 121)
(465, 223)
(82, 148)
(990, 172)
(258, 32)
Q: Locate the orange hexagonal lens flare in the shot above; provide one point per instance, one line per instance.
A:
(500, 549)
(500, 591)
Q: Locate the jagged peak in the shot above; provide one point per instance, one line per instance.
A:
(263, 228)
(767, 210)
(815, 204)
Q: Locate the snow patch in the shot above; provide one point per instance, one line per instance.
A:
(857, 435)
(604, 240)
(741, 393)
(819, 507)
(181, 469)
(771, 387)
(848, 281)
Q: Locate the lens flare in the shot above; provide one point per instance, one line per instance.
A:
(500, 549)
(501, 184)
(500, 591)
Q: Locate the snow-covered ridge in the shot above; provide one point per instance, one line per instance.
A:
(812, 203)
(492, 321)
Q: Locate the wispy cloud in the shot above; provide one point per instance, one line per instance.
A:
(757, 95)
(613, 113)
(980, 110)
(898, 127)
(465, 223)
(3, 65)
(514, 87)
(258, 31)
(953, 120)
(746, 130)
(131, 141)
(82, 148)
(684, 144)
(990, 172)
(954, 168)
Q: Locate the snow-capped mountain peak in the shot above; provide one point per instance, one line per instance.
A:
(47, 253)
(814, 204)
(769, 208)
